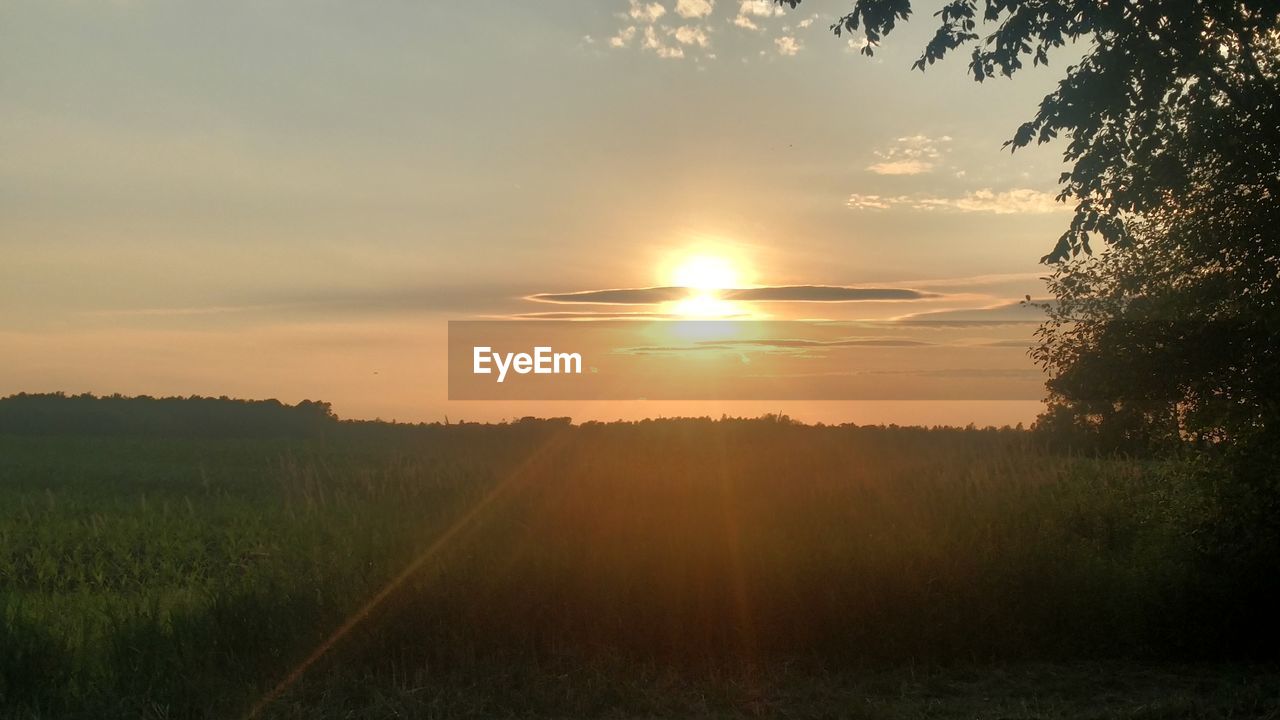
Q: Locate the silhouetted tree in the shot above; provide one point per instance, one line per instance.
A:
(1172, 127)
(58, 413)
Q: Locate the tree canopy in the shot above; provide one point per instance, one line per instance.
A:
(1169, 339)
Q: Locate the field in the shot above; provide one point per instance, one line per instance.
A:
(663, 568)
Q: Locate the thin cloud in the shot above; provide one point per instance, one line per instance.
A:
(912, 155)
(590, 315)
(842, 342)
(825, 293)
(787, 346)
(616, 296)
(775, 293)
(1006, 313)
(1011, 343)
(1018, 201)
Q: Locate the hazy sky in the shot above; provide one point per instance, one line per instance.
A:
(290, 199)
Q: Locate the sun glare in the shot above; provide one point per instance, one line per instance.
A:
(705, 277)
(705, 272)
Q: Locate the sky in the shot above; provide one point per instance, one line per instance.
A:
(292, 199)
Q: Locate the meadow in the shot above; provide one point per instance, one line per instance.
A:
(690, 567)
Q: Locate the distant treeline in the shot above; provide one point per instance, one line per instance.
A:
(224, 417)
(59, 413)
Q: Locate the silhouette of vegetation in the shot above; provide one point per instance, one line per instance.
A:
(166, 417)
(663, 567)
(1169, 341)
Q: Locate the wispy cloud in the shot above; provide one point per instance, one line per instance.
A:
(773, 293)
(1004, 202)
(825, 293)
(592, 315)
(615, 296)
(773, 346)
(1005, 313)
(910, 155)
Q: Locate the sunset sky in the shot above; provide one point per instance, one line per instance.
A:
(291, 199)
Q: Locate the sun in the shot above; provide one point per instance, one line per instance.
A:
(704, 277)
(705, 272)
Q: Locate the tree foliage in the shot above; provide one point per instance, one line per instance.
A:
(1171, 125)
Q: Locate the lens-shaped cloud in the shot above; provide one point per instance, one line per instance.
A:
(769, 293)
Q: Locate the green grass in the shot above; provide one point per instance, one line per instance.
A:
(673, 568)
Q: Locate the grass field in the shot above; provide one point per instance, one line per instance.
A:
(664, 568)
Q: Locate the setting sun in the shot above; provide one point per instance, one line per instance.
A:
(705, 272)
(704, 276)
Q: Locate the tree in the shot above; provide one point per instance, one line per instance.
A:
(1171, 121)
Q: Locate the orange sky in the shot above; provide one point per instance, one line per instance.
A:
(279, 200)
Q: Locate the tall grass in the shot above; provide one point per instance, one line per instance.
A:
(185, 578)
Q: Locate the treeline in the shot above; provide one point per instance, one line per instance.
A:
(223, 417)
(195, 416)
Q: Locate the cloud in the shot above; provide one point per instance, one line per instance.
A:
(694, 8)
(1005, 313)
(842, 342)
(652, 41)
(646, 12)
(775, 293)
(596, 315)
(824, 293)
(969, 373)
(759, 8)
(1017, 201)
(789, 346)
(859, 201)
(624, 37)
(901, 167)
(1008, 202)
(910, 155)
(691, 35)
(749, 9)
(1011, 343)
(787, 45)
(617, 296)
